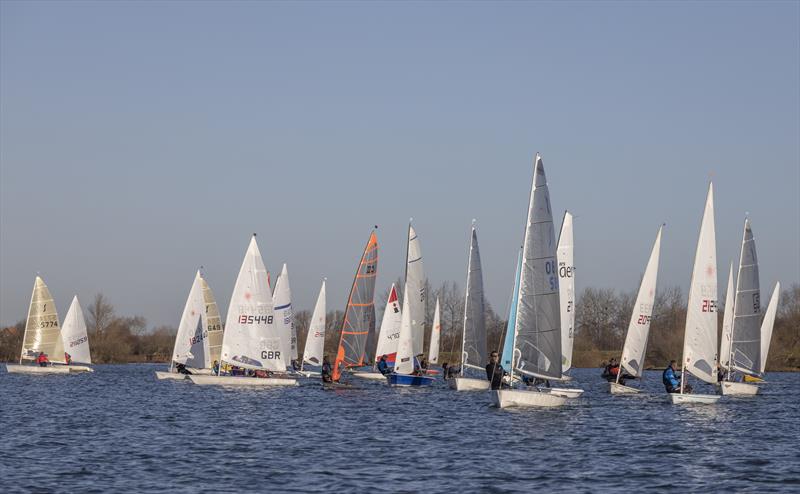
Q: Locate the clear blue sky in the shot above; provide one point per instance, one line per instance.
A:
(141, 140)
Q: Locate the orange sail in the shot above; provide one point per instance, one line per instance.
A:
(359, 317)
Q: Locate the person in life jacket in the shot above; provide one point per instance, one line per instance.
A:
(42, 360)
(670, 378)
(181, 368)
(327, 371)
(67, 358)
(383, 367)
(495, 371)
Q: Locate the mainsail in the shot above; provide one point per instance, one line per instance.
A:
(746, 333)
(700, 337)
(415, 281)
(284, 319)
(473, 346)
(508, 343)
(727, 325)
(214, 323)
(566, 289)
(74, 335)
(538, 319)
(390, 327)
(639, 327)
(404, 363)
(191, 341)
(767, 324)
(436, 330)
(315, 339)
(359, 316)
(42, 332)
(250, 338)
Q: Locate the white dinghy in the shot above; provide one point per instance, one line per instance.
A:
(404, 373)
(75, 338)
(284, 318)
(388, 336)
(191, 340)
(536, 344)
(473, 337)
(315, 339)
(250, 340)
(42, 334)
(700, 336)
(635, 347)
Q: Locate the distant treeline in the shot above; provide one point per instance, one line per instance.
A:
(602, 317)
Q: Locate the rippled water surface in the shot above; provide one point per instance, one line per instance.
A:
(121, 429)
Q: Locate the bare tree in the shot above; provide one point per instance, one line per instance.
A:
(101, 314)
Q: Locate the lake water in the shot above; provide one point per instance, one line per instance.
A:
(121, 429)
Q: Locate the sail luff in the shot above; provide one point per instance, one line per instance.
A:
(566, 289)
(745, 330)
(767, 325)
(727, 323)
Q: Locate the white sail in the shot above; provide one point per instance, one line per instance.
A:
(42, 331)
(745, 332)
(191, 341)
(250, 338)
(566, 289)
(404, 363)
(436, 330)
(284, 319)
(639, 328)
(700, 337)
(389, 333)
(727, 324)
(473, 346)
(538, 317)
(767, 324)
(213, 322)
(415, 285)
(315, 339)
(74, 335)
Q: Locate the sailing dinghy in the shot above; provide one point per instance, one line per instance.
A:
(315, 339)
(635, 347)
(473, 336)
(536, 342)
(359, 316)
(767, 325)
(388, 336)
(42, 334)
(191, 340)
(404, 369)
(436, 332)
(75, 338)
(700, 337)
(250, 340)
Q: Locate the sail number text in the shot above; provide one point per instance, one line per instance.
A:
(245, 319)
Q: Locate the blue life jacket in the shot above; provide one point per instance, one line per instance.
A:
(669, 379)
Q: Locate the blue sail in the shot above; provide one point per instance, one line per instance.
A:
(508, 344)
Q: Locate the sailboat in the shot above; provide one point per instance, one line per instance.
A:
(473, 336)
(767, 325)
(745, 337)
(75, 338)
(404, 372)
(315, 339)
(635, 347)
(359, 316)
(436, 332)
(284, 319)
(727, 324)
(42, 334)
(191, 340)
(415, 281)
(388, 336)
(213, 322)
(536, 342)
(250, 340)
(700, 337)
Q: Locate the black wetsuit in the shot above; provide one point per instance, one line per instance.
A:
(494, 373)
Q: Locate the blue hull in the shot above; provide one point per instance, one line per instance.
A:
(405, 380)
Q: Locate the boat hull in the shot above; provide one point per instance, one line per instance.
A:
(406, 380)
(374, 376)
(305, 373)
(621, 389)
(174, 376)
(504, 398)
(678, 398)
(738, 389)
(35, 369)
(469, 384)
(79, 368)
(566, 392)
(241, 381)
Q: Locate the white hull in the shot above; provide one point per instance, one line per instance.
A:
(242, 381)
(200, 372)
(678, 398)
(518, 398)
(469, 384)
(79, 368)
(374, 376)
(35, 369)
(738, 389)
(620, 389)
(566, 392)
(176, 376)
(309, 374)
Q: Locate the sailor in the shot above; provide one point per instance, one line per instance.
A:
(670, 378)
(215, 367)
(181, 368)
(327, 370)
(494, 371)
(383, 367)
(42, 360)
(67, 358)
